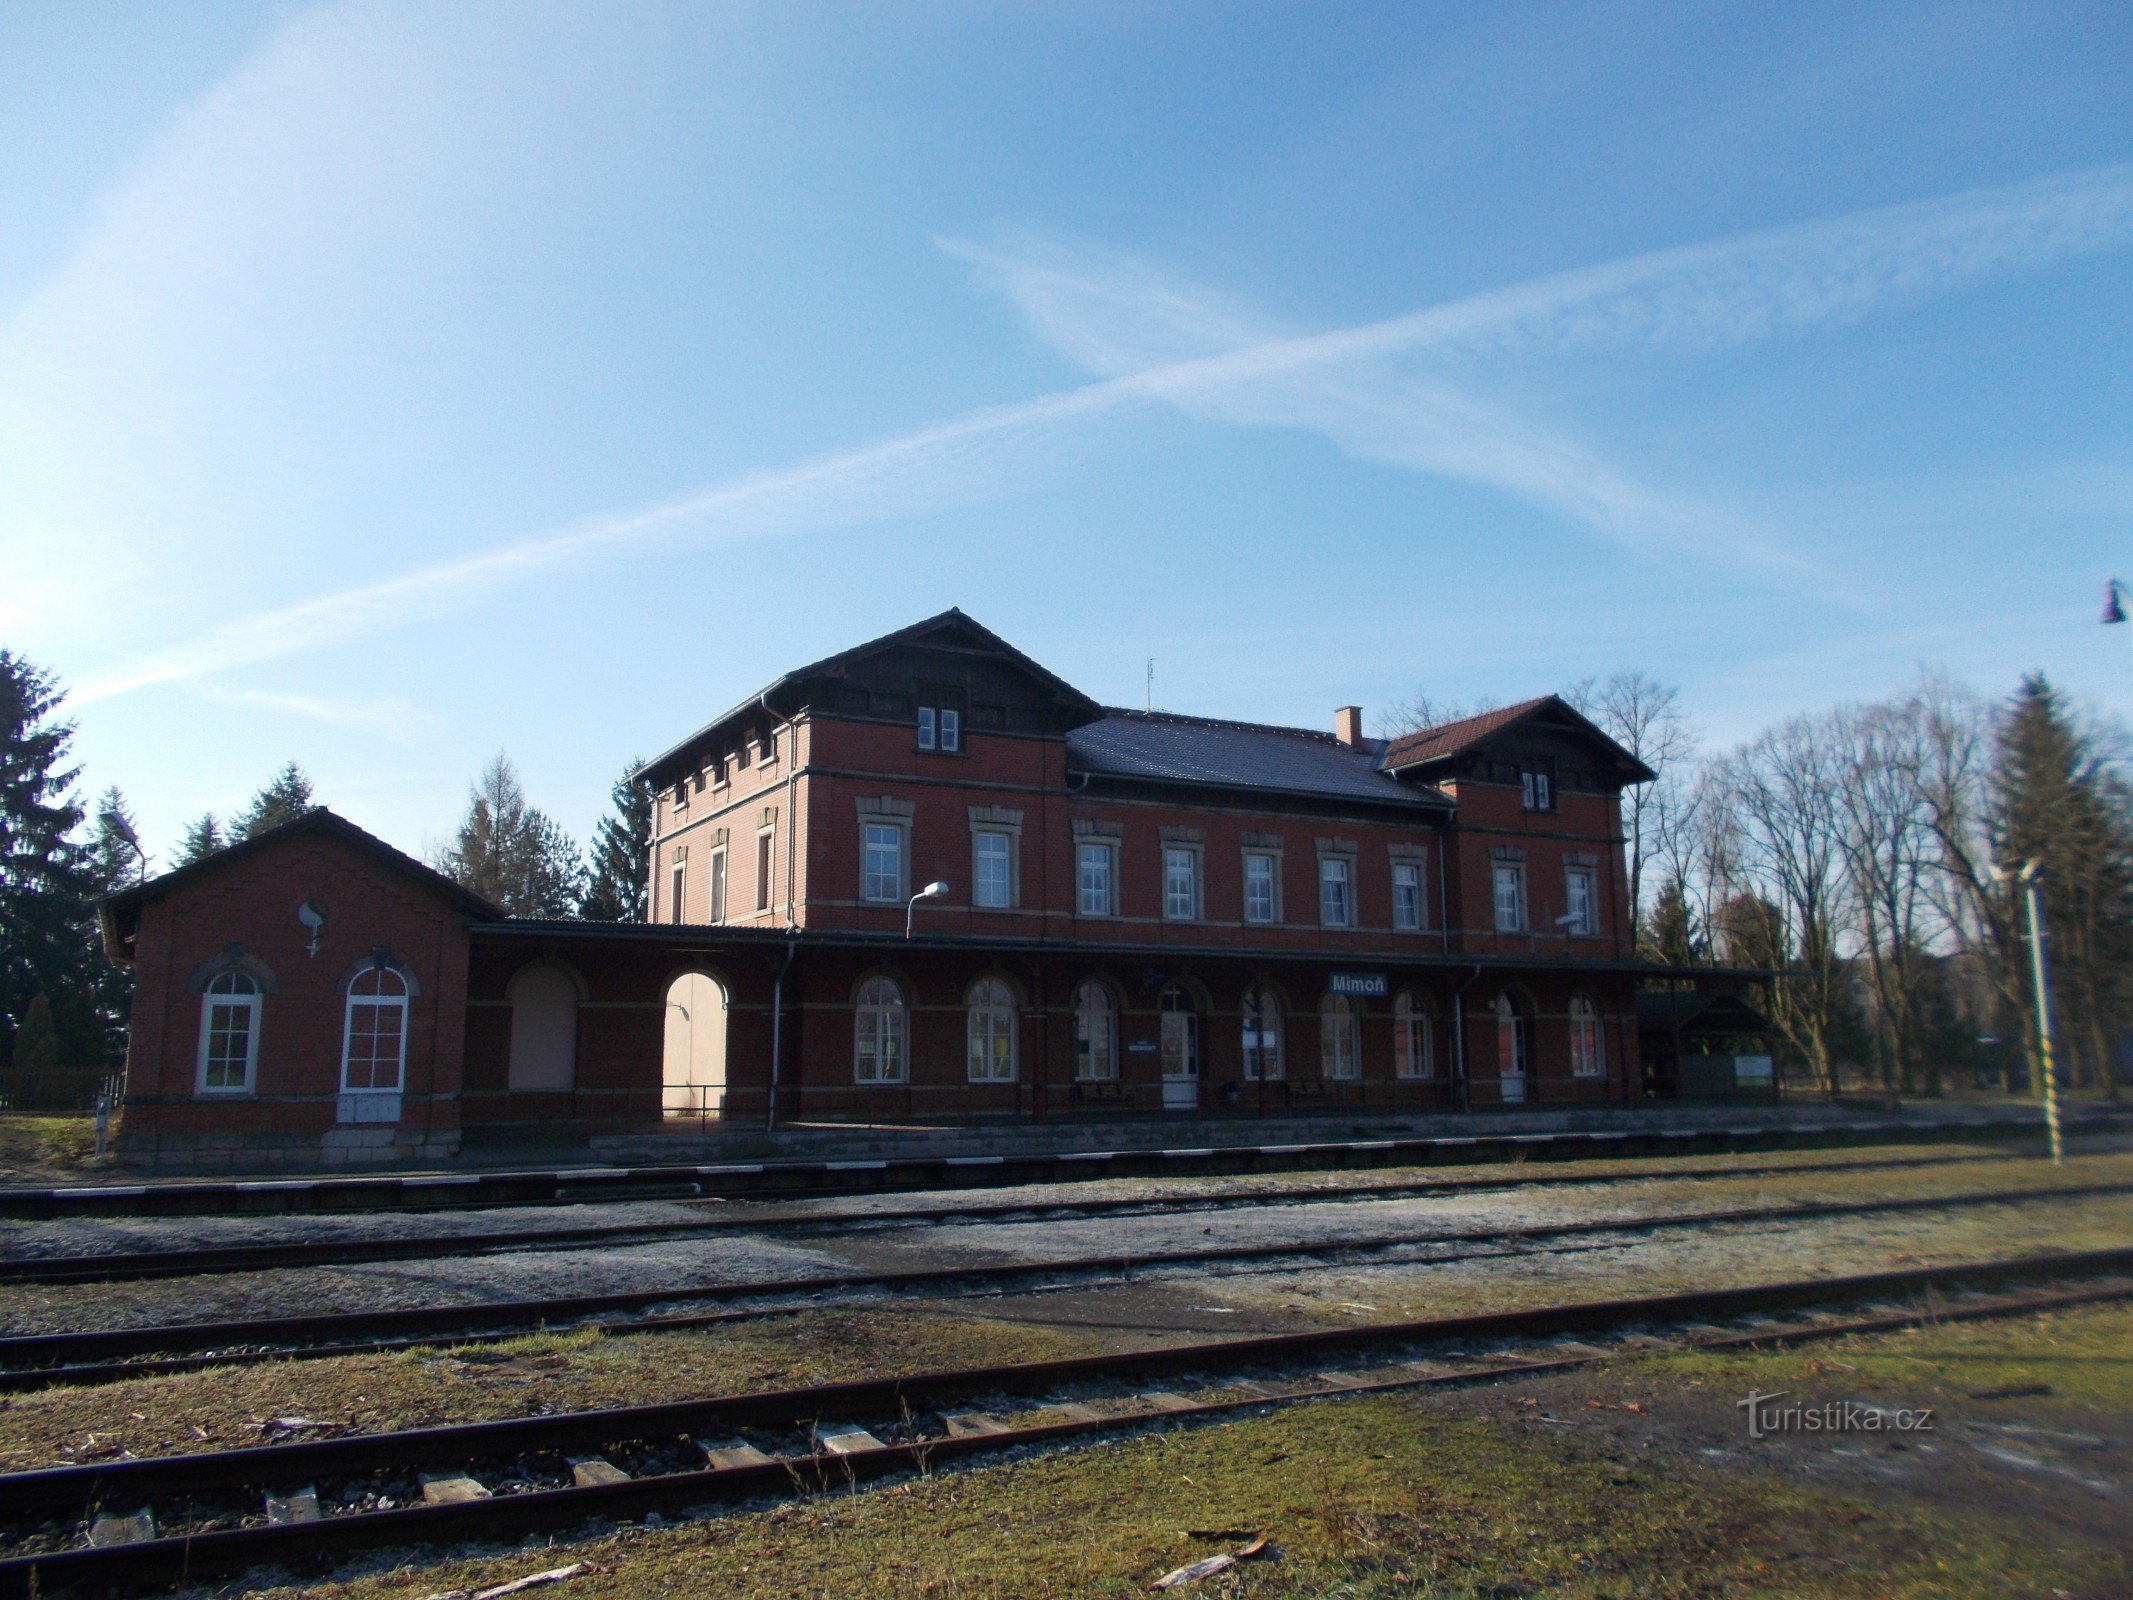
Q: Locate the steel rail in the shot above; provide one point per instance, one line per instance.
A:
(38, 1360)
(743, 1179)
(214, 1260)
(170, 1561)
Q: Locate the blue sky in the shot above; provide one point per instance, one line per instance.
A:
(385, 384)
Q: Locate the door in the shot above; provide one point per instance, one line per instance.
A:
(693, 1068)
(1511, 1034)
(1181, 1052)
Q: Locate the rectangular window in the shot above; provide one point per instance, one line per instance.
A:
(1539, 791)
(993, 872)
(1181, 883)
(677, 881)
(765, 853)
(1336, 892)
(951, 728)
(718, 886)
(928, 736)
(883, 876)
(1094, 879)
(1509, 888)
(1578, 902)
(1407, 895)
(1259, 904)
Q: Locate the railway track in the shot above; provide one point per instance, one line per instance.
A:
(204, 1261)
(107, 1355)
(153, 1523)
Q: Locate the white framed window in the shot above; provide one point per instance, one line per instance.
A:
(1407, 896)
(1336, 891)
(229, 1034)
(991, 1032)
(1579, 902)
(1339, 1045)
(1539, 790)
(1413, 1038)
(677, 882)
(1511, 1042)
(1179, 1040)
(1095, 1034)
(1507, 881)
(1181, 883)
(1095, 878)
(1262, 1035)
(718, 886)
(766, 856)
(879, 1028)
(882, 863)
(1262, 902)
(374, 1033)
(992, 871)
(1586, 1060)
(928, 728)
(951, 728)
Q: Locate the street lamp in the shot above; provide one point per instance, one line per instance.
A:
(118, 828)
(2026, 875)
(932, 891)
(2115, 596)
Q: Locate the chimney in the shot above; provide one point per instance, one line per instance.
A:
(1348, 725)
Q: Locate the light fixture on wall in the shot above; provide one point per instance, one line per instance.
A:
(313, 916)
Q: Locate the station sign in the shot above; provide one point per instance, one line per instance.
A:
(1362, 985)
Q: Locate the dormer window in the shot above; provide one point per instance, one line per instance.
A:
(1539, 789)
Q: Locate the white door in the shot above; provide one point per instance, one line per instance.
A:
(1511, 1050)
(693, 1068)
(1181, 1053)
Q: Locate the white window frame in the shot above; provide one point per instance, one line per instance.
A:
(1514, 1039)
(1588, 1049)
(1509, 912)
(1084, 851)
(881, 1034)
(1408, 905)
(1414, 1045)
(382, 1002)
(867, 876)
(1095, 1034)
(1262, 1045)
(1537, 788)
(993, 1021)
(1581, 889)
(1268, 863)
(1340, 1039)
(1001, 842)
(928, 726)
(1336, 872)
(247, 1000)
(716, 898)
(951, 730)
(677, 881)
(1173, 855)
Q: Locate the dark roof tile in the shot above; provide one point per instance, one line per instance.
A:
(1161, 746)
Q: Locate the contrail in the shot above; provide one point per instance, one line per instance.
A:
(1726, 291)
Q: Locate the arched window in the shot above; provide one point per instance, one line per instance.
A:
(544, 1029)
(1413, 1038)
(1339, 1051)
(992, 1032)
(374, 1032)
(1585, 1057)
(1180, 1041)
(229, 1034)
(1262, 1034)
(1095, 1034)
(1511, 1047)
(878, 1033)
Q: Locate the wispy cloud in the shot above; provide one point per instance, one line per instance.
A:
(1152, 342)
(393, 717)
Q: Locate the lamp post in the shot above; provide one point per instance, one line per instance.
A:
(118, 828)
(932, 891)
(2027, 877)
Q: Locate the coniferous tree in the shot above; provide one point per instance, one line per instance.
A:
(621, 853)
(509, 852)
(34, 1073)
(284, 800)
(203, 838)
(1670, 932)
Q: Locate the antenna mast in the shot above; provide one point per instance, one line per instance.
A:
(1151, 683)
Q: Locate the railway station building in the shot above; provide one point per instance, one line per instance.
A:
(925, 881)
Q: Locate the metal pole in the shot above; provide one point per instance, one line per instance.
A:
(2044, 1009)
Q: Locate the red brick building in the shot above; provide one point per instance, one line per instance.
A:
(1142, 912)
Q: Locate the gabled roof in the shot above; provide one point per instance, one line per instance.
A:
(952, 628)
(1164, 747)
(118, 914)
(1451, 739)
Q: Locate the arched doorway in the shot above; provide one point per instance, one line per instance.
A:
(1180, 1045)
(693, 1067)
